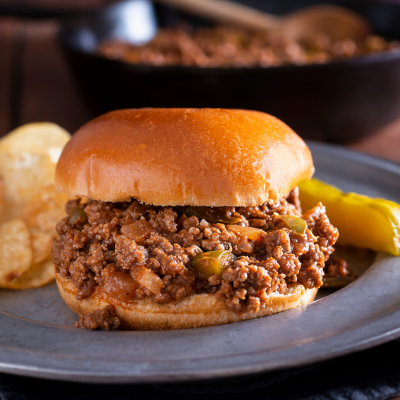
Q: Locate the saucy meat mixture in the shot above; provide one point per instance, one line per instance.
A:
(242, 254)
(229, 47)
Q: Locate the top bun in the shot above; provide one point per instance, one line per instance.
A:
(171, 157)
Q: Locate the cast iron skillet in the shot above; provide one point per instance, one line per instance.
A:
(338, 102)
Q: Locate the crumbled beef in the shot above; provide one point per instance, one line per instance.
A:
(337, 267)
(320, 226)
(248, 282)
(293, 198)
(237, 47)
(337, 273)
(97, 247)
(104, 319)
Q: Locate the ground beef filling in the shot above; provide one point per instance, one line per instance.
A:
(104, 319)
(134, 250)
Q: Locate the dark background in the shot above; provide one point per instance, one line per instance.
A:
(36, 84)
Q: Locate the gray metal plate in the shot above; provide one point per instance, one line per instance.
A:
(37, 338)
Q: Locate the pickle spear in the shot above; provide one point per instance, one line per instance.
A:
(361, 220)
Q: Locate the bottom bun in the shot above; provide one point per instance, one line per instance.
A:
(192, 312)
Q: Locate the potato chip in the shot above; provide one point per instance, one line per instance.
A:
(42, 138)
(15, 250)
(10, 211)
(45, 211)
(25, 175)
(42, 245)
(30, 207)
(36, 276)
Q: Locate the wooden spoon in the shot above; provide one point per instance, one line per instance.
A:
(337, 22)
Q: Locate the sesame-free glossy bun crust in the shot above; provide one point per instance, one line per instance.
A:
(197, 157)
(192, 312)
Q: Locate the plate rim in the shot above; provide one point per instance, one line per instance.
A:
(81, 376)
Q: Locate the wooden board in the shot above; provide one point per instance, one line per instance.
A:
(34, 79)
(8, 34)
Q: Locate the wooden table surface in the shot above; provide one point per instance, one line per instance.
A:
(35, 85)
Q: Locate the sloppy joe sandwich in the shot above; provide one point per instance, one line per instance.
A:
(184, 218)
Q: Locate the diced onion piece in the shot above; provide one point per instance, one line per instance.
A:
(296, 224)
(118, 284)
(147, 279)
(247, 231)
(138, 231)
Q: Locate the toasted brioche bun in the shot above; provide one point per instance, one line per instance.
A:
(171, 157)
(192, 312)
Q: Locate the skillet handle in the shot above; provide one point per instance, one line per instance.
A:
(227, 12)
